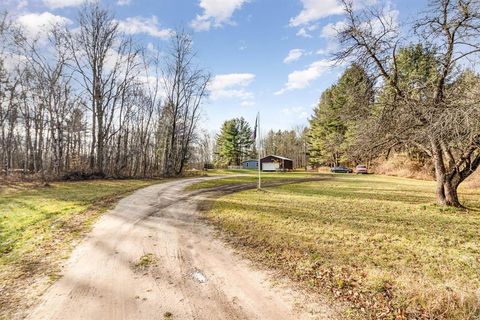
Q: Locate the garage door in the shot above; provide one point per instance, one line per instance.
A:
(270, 166)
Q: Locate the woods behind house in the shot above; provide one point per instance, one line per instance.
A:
(235, 143)
(93, 100)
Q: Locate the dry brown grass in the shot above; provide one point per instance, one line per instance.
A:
(399, 165)
(473, 181)
(377, 243)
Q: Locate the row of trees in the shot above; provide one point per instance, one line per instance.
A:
(414, 93)
(93, 100)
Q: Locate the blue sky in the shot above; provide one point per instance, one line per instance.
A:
(271, 56)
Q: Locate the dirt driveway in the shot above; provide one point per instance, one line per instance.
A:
(152, 257)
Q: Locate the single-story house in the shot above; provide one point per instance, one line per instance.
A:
(276, 163)
(250, 164)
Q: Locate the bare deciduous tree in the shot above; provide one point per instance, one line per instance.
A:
(185, 89)
(106, 60)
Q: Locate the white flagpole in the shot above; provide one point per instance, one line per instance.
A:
(259, 153)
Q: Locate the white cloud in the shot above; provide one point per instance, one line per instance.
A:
(314, 10)
(307, 30)
(224, 81)
(232, 86)
(302, 78)
(330, 30)
(329, 33)
(215, 13)
(303, 33)
(124, 2)
(37, 25)
(294, 55)
(150, 26)
(55, 4)
(200, 24)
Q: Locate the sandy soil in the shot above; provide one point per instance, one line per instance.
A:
(152, 257)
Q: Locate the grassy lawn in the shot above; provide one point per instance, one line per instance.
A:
(245, 176)
(377, 243)
(218, 172)
(39, 226)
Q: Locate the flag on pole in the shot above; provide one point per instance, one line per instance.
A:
(254, 134)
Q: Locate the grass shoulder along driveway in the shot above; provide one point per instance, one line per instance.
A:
(38, 228)
(377, 243)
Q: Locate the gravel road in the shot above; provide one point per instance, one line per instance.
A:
(152, 257)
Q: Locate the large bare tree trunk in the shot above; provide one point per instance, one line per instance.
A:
(451, 195)
(447, 184)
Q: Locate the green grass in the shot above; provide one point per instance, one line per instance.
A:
(378, 243)
(39, 225)
(218, 172)
(244, 176)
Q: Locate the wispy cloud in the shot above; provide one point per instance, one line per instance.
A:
(149, 26)
(55, 4)
(233, 85)
(124, 2)
(306, 31)
(314, 10)
(329, 33)
(294, 55)
(301, 79)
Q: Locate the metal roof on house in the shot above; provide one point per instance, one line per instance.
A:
(250, 160)
(279, 157)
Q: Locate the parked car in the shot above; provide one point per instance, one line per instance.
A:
(341, 169)
(361, 169)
